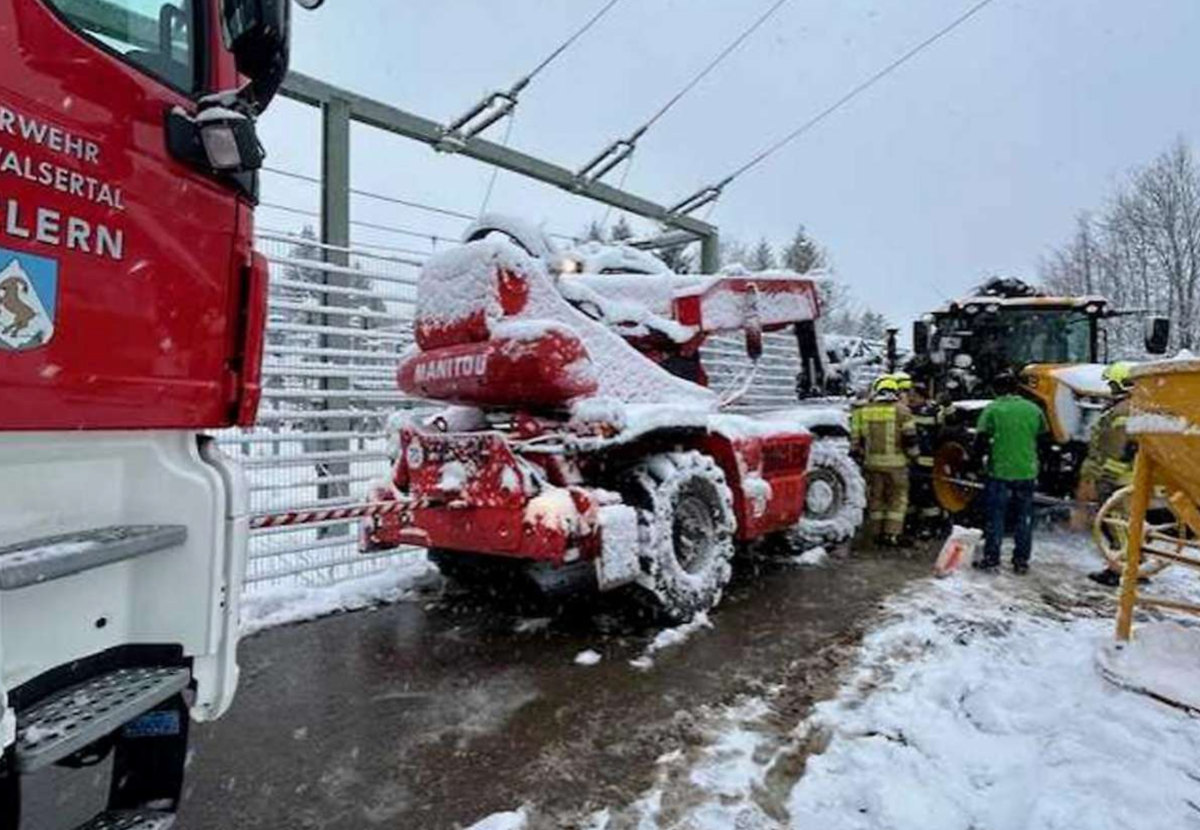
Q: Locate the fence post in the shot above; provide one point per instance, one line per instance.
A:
(710, 253)
(335, 230)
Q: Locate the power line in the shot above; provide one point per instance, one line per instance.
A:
(712, 192)
(567, 43)
(383, 197)
(497, 105)
(721, 56)
(369, 194)
(393, 228)
(622, 149)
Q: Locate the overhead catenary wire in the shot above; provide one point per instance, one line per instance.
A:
(487, 196)
(370, 194)
(383, 197)
(621, 149)
(497, 105)
(712, 192)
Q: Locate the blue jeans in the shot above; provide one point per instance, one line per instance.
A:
(999, 495)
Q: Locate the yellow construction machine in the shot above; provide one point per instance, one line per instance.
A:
(1055, 344)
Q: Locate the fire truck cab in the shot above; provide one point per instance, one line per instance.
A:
(131, 321)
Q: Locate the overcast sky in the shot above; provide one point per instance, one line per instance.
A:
(970, 160)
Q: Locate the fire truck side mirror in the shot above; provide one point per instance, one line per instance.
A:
(920, 337)
(257, 32)
(1158, 334)
(219, 141)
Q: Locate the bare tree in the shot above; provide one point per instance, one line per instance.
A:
(1144, 252)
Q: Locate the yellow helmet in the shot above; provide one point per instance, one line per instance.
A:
(903, 380)
(886, 385)
(1118, 374)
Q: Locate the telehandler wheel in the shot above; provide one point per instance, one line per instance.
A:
(686, 527)
(957, 481)
(835, 499)
(1110, 532)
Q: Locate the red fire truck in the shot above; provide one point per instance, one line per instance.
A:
(131, 319)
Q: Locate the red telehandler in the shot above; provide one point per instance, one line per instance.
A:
(131, 320)
(582, 447)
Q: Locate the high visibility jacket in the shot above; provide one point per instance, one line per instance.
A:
(1110, 451)
(885, 435)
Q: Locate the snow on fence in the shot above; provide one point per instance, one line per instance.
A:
(334, 335)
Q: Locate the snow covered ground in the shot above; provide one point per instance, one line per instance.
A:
(976, 701)
(282, 604)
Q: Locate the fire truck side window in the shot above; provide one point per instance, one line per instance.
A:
(157, 37)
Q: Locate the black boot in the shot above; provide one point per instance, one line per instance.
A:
(1106, 577)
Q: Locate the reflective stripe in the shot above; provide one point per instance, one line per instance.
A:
(925, 461)
(885, 461)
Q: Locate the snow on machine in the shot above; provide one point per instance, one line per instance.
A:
(581, 446)
(132, 308)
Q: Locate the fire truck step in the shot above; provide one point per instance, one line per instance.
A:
(70, 720)
(130, 820)
(53, 557)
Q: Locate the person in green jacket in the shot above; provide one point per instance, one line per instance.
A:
(1010, 427)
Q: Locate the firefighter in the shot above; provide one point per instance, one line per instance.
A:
(925, 517)
(1109, 463)
(883, 438)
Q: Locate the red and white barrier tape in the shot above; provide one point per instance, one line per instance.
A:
(299, 517)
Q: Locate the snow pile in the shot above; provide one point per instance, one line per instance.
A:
(757, 491)
(588, 657)
(459, 287)
(614, 260)
(528, 235)
(608, 299)
(512, 820)
(1153, 423)
(671, 637)
(281, 605)
(554, 509)
(812, 558)
(976, 703)
(1163, 660)
(1085, 379)
(454, 477)
(812, 417)
(964, 714)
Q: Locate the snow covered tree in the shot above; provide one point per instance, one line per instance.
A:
(733, 252)
(762, 258)
(621, 230)
(594, 232)
(872, 325)
(803, 254)
(681, 260)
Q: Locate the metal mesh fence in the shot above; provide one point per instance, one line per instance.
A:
(334, 336)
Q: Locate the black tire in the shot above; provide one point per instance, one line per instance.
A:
(686, 526)
(836, 498)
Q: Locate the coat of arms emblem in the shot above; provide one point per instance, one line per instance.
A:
(28, 295)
